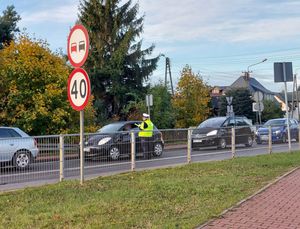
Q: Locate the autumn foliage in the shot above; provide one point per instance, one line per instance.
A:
(33, 87)
(191, 100)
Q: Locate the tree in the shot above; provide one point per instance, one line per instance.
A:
(116, 64)
(33, 88)
(8, 25)
(241, 102)
(134, 110)
(271, 110)
(162, 113)
(191, 100)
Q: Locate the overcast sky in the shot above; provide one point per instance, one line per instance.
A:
(218, 38)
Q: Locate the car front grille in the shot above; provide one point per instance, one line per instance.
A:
(199, 135)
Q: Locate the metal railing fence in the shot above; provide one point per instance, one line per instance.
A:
(57, 157)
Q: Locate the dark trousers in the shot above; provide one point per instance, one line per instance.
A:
(146, 144)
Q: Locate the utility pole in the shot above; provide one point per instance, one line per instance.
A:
(168, 70)
(293, 94)
(247, 77)
(297, 96)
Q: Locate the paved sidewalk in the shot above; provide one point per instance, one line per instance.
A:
(278, 206)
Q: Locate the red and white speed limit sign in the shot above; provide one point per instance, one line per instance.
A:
(79, 89)
(78, 45)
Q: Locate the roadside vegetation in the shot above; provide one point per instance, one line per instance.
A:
(178, 197)
(33, 82)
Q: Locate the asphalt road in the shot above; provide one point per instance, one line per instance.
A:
(43, 172)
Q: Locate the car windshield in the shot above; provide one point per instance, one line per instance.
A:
(212, 122)
(275, 122)
(111, 128)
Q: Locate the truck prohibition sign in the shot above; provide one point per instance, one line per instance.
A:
(79, 89)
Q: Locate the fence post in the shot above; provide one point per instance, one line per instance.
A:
(270, 139)
(233, 142)
(61, 157)
(189, 146)
(132, 139)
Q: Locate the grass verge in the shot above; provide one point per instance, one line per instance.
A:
(181, 197)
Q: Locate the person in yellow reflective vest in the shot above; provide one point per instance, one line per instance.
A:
(145, 135)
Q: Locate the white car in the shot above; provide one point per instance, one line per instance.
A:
(17, 147)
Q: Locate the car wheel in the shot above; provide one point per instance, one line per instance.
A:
(114, 153)
(222, 143)
(22, 159)
(157, 149)
(249, 141)
(283, 138)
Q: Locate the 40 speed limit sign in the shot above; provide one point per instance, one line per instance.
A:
(79, 89)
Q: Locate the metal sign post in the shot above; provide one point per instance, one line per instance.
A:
(81, 147)
(258, 97)
(283, 72)
(79, 87)
(230, 112)
(287, 107)
(149, 102)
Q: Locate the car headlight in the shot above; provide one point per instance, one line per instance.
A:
(277, 132)
(104, 141)
(212, 133)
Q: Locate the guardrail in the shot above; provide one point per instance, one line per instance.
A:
(59, 155)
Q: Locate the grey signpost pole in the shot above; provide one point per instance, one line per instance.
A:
(149, 102)
(286, 107)
(81, 147)
(79, 87)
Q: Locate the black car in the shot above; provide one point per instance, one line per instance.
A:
(217, 132)
(114, 141)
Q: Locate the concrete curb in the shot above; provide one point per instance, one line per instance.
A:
(248, 198)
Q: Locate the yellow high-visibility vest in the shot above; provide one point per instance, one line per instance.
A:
(146, 132)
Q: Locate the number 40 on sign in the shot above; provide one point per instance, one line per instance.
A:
(79, 89)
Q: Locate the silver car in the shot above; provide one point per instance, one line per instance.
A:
(17, 147)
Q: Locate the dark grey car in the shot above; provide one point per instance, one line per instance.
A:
(218, 131)
(113, 141)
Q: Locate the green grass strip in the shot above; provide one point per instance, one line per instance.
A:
(180, 197)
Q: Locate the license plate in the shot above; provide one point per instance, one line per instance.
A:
(198, 140)
(87, 149)
(264, 137)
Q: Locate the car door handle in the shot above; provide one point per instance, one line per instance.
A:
(11, 144)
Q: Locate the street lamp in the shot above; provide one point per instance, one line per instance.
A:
(255, 64)
(295, 87)
(247, 75)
